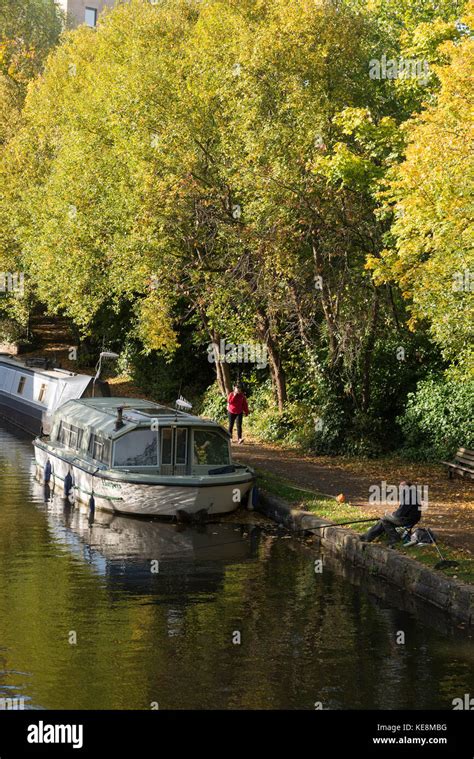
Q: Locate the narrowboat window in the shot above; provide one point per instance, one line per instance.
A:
(42, 393)
(21, 385)
(97, 449)
(90, 16)
(166, 445)
(137, 448)
(181, 445)
(106, 450)
(210, 448)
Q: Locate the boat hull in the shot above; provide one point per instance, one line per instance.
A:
(22, 414)
(150, 499)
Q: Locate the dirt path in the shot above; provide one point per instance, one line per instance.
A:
(450, 502)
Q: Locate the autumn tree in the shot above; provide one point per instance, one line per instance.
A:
(29, 29)
(218, 167)
(432, 257)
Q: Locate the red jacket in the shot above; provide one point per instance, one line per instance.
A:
(237, 403)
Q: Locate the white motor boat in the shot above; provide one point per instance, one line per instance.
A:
(131, 456)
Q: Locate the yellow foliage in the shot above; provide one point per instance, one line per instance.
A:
(155, 326)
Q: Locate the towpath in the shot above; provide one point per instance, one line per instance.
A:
(450, 502)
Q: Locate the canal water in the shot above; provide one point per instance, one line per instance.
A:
(132, 614)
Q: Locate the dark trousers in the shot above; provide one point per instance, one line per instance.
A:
(232, 419)
(387, 525)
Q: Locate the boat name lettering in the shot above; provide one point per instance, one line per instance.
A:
(112, 485)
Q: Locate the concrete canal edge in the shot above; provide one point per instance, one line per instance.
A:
(454, 597)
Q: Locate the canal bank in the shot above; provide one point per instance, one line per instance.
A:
(446, 593)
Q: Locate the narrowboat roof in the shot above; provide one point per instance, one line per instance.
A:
(53, 373)
(100, 415)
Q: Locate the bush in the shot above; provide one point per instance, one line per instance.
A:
(213, 404)
(365, 436)
(11, 331)
(438, 419)
(293, 426)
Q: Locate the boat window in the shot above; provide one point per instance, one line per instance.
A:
(99, 448)
(75, 437)
(181, 445)
(69, 435)
(42, 393)
(166, 445)
(210, 448)
(59, 434)
(63, 434)
(21, 385)
(137, 448)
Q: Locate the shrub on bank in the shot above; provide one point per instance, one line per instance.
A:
(213, 405)
(438, 418)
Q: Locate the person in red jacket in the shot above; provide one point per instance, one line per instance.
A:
(237, 406)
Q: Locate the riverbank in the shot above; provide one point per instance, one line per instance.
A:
(409, 569)
(450, 510)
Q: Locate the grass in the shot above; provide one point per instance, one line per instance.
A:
(318, 504)
(429, 556)
(327, 507)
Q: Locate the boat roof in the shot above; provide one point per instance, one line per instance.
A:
(53, 373)
(100, 415)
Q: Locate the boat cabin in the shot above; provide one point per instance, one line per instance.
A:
(134, 435)
(31, 391)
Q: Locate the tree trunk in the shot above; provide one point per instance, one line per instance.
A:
(330, 315)
(276, 369)
(313, 361)
(368, 354)
(222, 367)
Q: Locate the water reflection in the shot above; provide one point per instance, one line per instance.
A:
(139, 554)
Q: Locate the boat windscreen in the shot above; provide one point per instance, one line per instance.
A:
(137, 448)
(210, 448)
